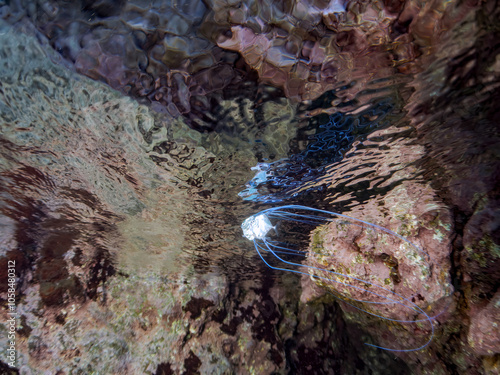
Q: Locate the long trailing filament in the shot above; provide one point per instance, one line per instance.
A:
(257, 227)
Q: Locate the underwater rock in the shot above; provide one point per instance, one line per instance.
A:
(150, 323)
(462, 168)
(484, 331)
(359, 262)
(414, 212)
(94, 188)
(465, 171)
(75, 170)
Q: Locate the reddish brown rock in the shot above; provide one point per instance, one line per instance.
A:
(388, 263)
(484, 331)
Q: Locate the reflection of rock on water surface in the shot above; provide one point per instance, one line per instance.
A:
(185, 59)
(77, 181)
(88, 173)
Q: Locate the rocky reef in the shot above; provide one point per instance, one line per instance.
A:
(443, 198)
(120, 208)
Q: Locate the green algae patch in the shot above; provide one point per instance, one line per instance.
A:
(489, 244)
(484, 250)
(317, 241)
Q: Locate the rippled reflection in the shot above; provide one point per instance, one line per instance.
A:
(122, 209)
(318, 145)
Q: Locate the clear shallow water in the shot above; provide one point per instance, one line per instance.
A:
(91, 178)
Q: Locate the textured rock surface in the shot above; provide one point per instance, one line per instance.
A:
(382, 259)
(412, 209)
(484, 331)
(94, 234)
(308, 48)
(186, 59)
(454, 150)
(465, 167)
(156, 52)
(98, 194)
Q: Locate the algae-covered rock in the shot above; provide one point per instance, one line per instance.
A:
(390, 275)
(484, 331)
(103, 204)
